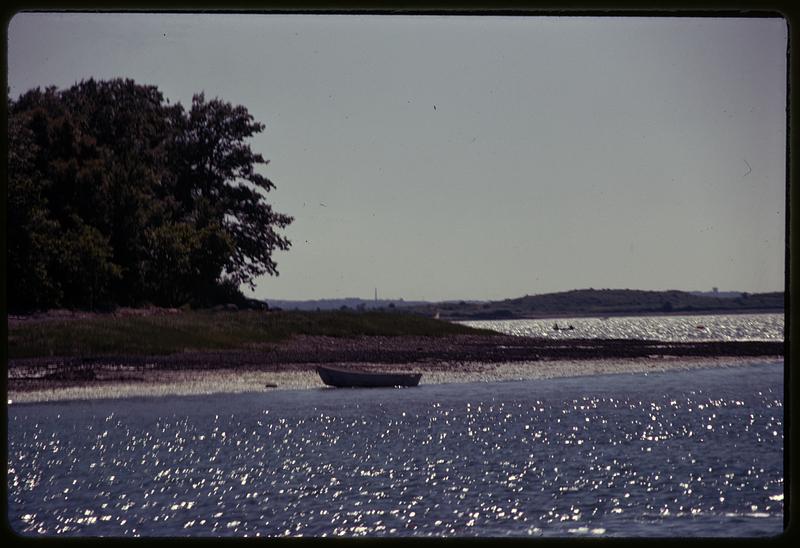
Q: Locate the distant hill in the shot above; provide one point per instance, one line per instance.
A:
(578, 302)
(603, 302)
(337, 304)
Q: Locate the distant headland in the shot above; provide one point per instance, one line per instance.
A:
(575, 303)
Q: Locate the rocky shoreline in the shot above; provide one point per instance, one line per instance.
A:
(451, 354)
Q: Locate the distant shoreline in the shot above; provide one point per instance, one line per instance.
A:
(577, 303)
(605, 303)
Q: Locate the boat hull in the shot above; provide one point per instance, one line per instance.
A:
(343, 378)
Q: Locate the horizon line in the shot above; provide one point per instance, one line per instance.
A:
(423, 299)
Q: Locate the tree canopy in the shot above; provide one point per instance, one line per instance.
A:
(117, 197)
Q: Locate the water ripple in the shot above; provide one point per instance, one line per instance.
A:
(732, 327)
(617, 455)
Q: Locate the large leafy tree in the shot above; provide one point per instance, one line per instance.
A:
(31, 235)
(222, 195)
(57, 254)
(118, 197)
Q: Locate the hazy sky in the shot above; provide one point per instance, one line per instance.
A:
(478, 157)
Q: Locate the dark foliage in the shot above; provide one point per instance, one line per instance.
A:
(117, 197)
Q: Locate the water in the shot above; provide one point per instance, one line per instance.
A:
(730, 327)
(691, 453)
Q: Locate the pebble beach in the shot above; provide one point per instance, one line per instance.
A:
(121, 382)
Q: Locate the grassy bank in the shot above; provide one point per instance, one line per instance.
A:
(100, 335)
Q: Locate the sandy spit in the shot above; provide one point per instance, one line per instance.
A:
(215, 381)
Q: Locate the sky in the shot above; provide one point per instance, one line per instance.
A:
(476, 157)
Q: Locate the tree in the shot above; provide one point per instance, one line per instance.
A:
(31, 234)
(97, 178)
(221, 193)
(116, 196)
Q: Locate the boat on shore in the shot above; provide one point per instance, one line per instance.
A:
(344, 378)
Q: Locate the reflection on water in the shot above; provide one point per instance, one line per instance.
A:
(731, 327)
(689, 453)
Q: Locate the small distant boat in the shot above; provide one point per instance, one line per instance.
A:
(557, 328)
(344, 378)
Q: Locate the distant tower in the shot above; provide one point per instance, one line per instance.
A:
(376, 296)
(715, 290)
